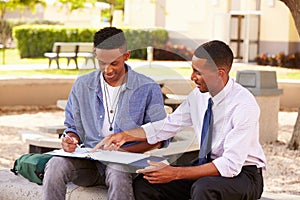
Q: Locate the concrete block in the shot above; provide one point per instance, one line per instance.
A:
(259, 83)
(15, 187)
(268, 121)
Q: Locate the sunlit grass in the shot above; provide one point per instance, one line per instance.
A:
(164, 71)
(12, 57)
(152, 72)
(59, 72)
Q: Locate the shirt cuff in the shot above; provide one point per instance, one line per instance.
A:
(70, 130)
(224, 168)
(150, 133)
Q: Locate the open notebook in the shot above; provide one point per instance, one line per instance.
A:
(137, 160)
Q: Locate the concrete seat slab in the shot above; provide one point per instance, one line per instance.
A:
(16, 187)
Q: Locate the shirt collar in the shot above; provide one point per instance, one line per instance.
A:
(96, 76)
(223, 93)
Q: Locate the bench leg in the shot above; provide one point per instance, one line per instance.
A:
(85, 61)
(69, 59)
(76, 63)
(50, 60)
(93, 60)
(56, 60)
(75, 60)
(57, 63)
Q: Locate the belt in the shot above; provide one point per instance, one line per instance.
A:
(259, 170)
(252, 168)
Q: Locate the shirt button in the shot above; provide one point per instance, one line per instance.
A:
(101, 116)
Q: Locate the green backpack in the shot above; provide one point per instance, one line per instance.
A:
(31, 166)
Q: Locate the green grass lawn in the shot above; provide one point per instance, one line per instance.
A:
(12, 57)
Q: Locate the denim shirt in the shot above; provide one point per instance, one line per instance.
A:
(140, 102)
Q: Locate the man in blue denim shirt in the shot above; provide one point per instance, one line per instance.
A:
(107, 101)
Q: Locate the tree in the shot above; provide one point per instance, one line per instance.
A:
(294, 6)
(11, 5)
(76, 4)
(114, 4)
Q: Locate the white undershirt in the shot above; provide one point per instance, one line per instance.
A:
(112, 105)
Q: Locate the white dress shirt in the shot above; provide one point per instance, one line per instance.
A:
(235, 140)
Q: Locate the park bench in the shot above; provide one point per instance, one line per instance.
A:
(71, 51)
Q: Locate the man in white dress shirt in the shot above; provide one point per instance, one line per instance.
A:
(234, 170)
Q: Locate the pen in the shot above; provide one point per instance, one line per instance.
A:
(66, 135)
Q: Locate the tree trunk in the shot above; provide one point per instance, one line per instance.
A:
(3, 34)
(294, 142)
(294, 6)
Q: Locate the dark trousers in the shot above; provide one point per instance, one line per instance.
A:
(248, 185)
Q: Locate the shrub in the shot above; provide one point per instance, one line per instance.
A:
(35, 40)
(139, 39)
(173, 52)
(288, 61)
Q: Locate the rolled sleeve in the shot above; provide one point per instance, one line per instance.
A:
(151, 132)
(152, 136)
(223, 166)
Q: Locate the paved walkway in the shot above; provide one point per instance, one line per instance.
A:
(274, 196)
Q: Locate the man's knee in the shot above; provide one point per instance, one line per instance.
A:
(56, 165)
(204, 188)
(141, 188)
(117, 176)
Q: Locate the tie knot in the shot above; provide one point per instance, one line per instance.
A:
(210, 102)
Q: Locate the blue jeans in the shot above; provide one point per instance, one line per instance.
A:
(61, 170)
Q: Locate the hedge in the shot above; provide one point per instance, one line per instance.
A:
(35, 40)
(280, 59)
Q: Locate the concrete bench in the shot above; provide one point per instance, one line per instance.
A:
(59, 129)
(15, 187)
(40, 142)
(175, 91)
(71, 51)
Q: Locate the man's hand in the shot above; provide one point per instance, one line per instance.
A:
(159, 172)
(111, 142)
(69, 142)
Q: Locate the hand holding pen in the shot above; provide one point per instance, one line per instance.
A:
(69, 142)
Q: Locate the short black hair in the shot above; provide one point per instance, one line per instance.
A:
(110, 38)
(216, 52)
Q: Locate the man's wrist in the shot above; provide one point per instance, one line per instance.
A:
(71, 134)
(137, 134)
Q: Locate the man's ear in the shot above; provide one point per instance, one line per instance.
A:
(127, 55)
(221, 72)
